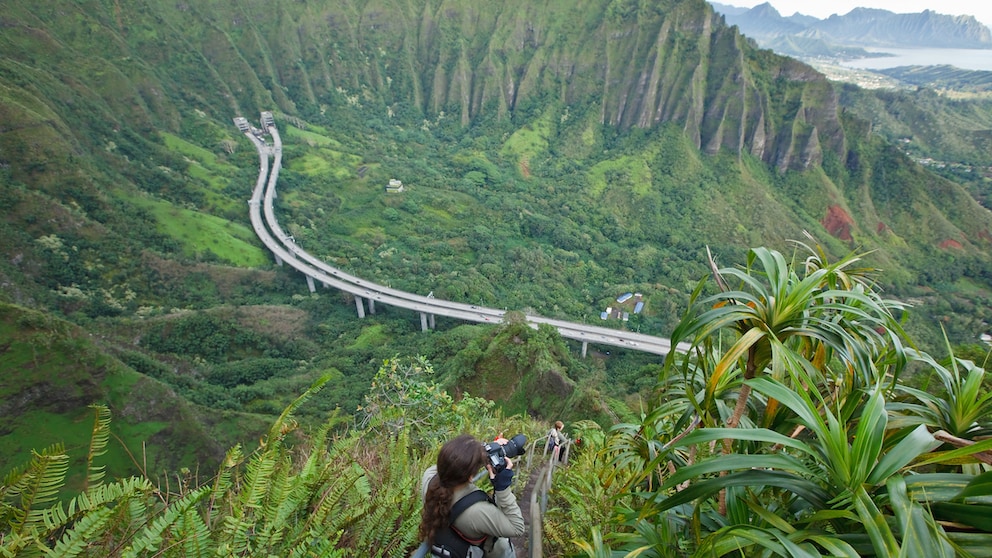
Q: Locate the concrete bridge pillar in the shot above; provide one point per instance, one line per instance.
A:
(371, 307)
(278, 260)
(585, 347)
(431, 320)
(310, 284)
(360, 306)
(423, 322)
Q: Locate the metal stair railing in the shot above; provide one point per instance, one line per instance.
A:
(539, 495)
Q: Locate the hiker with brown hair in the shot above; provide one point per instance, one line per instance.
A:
(459, 519)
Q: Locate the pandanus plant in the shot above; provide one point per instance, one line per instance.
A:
(812, 463)
(779, 313)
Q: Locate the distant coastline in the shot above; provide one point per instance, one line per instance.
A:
(964, 58)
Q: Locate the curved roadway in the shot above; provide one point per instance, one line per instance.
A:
(285, 250)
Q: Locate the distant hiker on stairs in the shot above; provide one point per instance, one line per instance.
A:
(556, 441)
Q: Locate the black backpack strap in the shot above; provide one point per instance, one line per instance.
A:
(448, 541)
(465, 502)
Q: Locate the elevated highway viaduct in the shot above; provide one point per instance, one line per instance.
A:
(286, 251)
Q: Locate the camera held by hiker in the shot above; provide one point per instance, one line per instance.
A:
(460, 519)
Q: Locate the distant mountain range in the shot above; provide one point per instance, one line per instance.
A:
(846, 35)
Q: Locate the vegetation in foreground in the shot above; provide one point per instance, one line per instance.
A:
(802, 423)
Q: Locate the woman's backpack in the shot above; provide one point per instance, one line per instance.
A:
(552, 440)
(448, 542)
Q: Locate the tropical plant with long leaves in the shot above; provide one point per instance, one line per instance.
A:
(958, 410)
(851, 486)
(777, 313)
(816, 467)
(778, 317)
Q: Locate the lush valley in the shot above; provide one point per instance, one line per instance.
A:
(555, 156)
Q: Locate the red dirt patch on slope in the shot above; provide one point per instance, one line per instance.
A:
(837, 222)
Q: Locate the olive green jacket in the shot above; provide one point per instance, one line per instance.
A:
(500, 519)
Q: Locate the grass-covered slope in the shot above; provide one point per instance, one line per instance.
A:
(54, 370)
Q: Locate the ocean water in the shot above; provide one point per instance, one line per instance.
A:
(965, 58)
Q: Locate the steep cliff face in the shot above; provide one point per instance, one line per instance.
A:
(641, 63)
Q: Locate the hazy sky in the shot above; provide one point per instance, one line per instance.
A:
(981, 9)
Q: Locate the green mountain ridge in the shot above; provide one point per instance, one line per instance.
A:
(687, 72)
(452, 57)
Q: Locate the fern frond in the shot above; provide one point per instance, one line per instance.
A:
(316, 460)
(151, 537)
(257, 479)
(253, 502)
(222, 484)
(194, 536)
(137, 511)
(281, 502)
(343, 492)
(236, 536)
(251, 498)
(376, 529)
(404, 499)
(319, 544)
(98, 446)
(12, 482)
(280, 489)
(76, 539)
(282, 425)
(17, 545)
(24, 490)
(59, 516)
(7, 513)
(39, 485)
(407, 534)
